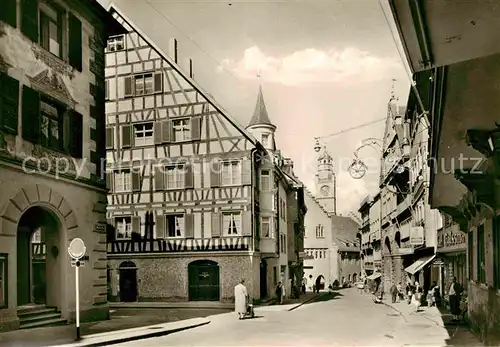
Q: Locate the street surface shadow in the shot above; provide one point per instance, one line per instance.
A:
(254, 317)
(459, 332)
(324, 297)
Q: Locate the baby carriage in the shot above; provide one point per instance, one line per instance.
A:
(249, 312)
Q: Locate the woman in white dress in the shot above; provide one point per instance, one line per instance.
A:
(240, 299)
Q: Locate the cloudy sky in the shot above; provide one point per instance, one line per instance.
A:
(325, 66)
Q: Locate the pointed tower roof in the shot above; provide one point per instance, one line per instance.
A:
(325, 155)
(260, 116)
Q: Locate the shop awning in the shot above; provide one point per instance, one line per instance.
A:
(374, 276)
(419, 264)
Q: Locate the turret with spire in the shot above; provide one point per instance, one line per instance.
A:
(326, 183)
(260, 125)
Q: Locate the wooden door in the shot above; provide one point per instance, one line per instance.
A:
(204, 281)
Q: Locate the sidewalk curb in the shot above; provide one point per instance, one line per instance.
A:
(143, 336)
(305, 302)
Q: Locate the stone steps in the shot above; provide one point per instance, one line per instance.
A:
(39, 316)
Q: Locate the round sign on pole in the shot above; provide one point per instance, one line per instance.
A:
(76, 248)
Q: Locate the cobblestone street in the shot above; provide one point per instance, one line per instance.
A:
(348, 319)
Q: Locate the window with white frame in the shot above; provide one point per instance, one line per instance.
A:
(231, 223)
(182, 130)
(265, 227)
(50, 29)
(144, 84)
(123, 181)
(143, 134)
(174, 177)
(231, 173)
(116, 43)
(265, 180)
(175, 225)
(123, 228)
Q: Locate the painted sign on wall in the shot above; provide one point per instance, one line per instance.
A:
(451, 238)
(417, 236)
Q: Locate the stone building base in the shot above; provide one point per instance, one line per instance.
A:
(165, 277)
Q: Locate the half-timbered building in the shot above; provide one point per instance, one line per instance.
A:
(51, 144)
(193, 195)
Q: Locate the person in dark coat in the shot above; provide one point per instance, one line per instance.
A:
(454, 297)
(394, 293)
(279, 293)
(318, 284)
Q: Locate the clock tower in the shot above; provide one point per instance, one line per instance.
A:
(326, 187)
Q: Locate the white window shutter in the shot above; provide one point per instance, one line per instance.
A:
(160, 226)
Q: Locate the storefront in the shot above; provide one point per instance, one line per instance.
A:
(452, 255)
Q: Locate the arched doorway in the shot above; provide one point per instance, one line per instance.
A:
(263, 279)
(39, 266)
(128, 281)
(203, 281)
(354, 278)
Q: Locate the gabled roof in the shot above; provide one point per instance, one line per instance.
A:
(260, 116)
(210, 99)
(344, 232)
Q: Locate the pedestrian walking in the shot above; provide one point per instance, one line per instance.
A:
(318, 284)
(400, 294)
(240, 299)
(279, 293)
(304, 284)
(454, 297)
(394, 293)
(416, 299)
(409, 293)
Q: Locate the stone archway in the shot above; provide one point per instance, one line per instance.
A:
(40, 200)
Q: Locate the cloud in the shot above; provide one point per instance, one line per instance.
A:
(311, 66)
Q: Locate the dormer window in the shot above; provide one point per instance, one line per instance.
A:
(265, 140)
(116, 43)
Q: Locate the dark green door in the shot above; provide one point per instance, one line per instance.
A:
(204, 281)
(23, 268)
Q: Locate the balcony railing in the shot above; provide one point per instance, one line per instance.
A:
(219, 244)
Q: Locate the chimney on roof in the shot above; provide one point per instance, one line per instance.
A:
(191, 75)
(173, 49)
(288, 166)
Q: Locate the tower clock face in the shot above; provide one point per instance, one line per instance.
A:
(325, 190)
